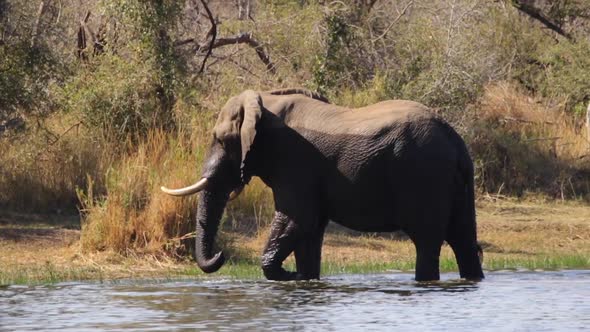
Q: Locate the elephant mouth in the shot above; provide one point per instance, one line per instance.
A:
(235, 193)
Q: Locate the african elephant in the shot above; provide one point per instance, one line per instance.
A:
(380, 168)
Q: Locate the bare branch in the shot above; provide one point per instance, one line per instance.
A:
(88, 29)
(212, 33)
(184, 42)
(58, 137)
(370, 5)
(243, 38)
(402, 13)
(537, 15)
(509, 118)
(59, 12)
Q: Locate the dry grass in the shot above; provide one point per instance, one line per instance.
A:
(116, 184)
(135, 213)
(512, 229)
(47, 248)
(529, 233)
(515, 234)
(521, 143)
(536, 120)
(42, 168)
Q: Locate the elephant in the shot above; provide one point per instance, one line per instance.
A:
(395, 165)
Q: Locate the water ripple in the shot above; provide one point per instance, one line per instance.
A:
(506, 300)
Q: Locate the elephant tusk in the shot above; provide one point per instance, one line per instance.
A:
(234, 194)
(195, 188)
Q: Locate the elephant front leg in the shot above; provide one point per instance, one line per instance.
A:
(284, 235)
(308, 252)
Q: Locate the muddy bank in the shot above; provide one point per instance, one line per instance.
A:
(514, 234)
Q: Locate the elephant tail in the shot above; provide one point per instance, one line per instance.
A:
(462, 230)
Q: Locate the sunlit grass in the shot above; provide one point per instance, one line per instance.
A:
(522, 143)
(556, 262)
(47, 274)
(515, 235)
(50, 274)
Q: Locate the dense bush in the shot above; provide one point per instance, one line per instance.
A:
(118, 96)
(25, 74)
(564, 73)
(523, 145)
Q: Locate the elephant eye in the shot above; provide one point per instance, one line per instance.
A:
(217, 140)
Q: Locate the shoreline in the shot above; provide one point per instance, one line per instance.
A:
(515, 235)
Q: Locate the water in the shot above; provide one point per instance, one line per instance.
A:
(505, 301)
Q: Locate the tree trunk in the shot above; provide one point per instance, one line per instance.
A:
(536, 14)
(588, 124)
(35, 31)
(243, 9)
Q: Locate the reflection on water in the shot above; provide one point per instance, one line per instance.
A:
(505, 301)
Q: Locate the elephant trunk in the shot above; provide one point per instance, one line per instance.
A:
(210, 209)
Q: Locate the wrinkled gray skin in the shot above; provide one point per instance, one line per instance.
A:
(385, 167)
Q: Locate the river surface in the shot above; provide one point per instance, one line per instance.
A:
(505, 301)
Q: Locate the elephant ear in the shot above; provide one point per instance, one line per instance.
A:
(252, 103)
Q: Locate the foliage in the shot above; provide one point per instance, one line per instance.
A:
(31, 64)
(566, 74)
(117, 95)
(151, 23)
(332, 68)
(130, 88)
(40, 172)
(25, 73)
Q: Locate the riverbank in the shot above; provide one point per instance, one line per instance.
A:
(530, 234)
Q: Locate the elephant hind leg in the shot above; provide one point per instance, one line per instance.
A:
(462, 237)
(462, 231)
(427, 260)
(468, 254)
(308, 252)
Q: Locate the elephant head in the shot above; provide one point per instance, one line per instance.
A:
(224, 174)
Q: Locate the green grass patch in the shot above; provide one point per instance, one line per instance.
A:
(48, 274)
(576, 261)
(235, 270)
(250, 269)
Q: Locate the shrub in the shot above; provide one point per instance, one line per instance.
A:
(521, 145)
(40, 172)
(118, 96)
(25, 74)
(134, 213)
(566, 74)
